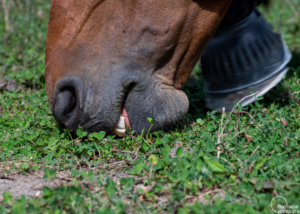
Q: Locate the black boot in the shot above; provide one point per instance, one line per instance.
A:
(242, 58)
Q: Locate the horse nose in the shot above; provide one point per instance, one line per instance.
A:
(68, 102)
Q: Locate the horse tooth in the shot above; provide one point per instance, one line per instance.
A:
(121, 123)
(120, 130)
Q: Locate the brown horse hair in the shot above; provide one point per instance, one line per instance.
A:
(87, 14)
(98, 2)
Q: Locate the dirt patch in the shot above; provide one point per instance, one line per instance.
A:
(30, 185)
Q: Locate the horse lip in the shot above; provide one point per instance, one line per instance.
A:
(96, 123)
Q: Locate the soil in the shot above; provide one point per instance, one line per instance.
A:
(30, 185)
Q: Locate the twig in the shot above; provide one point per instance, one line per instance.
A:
(224, 145)
(233, 110)
(290, 95)
(211, 191)
(151, 168)
(128, 161)
(235, 136)
(111, 164)
(145, 155)
(140, 179)
(66, 177)
(232, 165)
(219, 152)
(279, 23)
(219, 135)
(251, 166)
(297, 92)
(253, 153)
(231, 138)
(117, 150)
(78, 163)
(53, 180)
(237, 128)
(89, 166)
(244, 112)
(241, 163)
(221, 129)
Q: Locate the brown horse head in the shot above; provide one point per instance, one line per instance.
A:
(105, 57)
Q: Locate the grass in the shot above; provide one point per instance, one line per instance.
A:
(110, 175)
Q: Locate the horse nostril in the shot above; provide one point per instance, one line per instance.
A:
(65, 104)
(68, 101)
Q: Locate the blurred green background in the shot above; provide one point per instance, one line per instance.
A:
(23, 31)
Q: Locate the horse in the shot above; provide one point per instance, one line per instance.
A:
(115, 63)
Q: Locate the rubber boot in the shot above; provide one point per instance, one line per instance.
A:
(245, 57)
